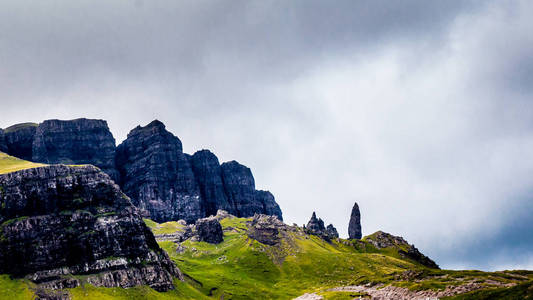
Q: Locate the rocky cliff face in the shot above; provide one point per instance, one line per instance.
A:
(19, 140)
(157, 175)
(80, 141)
(150, 166)
(59, 222)
(240, 189)
(354, 227)
(208, 174)
(3, 145)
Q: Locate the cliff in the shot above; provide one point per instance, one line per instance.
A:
(80, 141)
(157, 175)
(63, 226)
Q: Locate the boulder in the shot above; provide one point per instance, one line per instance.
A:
(209, 230)
(58, 221)
(265, 229)
(354, 227)
(332, 231)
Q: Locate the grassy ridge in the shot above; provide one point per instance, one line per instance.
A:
(11, 164)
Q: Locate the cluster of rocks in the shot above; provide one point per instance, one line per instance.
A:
(382, 240)
(204, 230)
(265, 229)
(150, 167)
(316, 226)
(58, 221)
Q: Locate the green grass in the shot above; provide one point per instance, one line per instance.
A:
(242, 268)
(164, 228)
(11, 164)
(14, 289)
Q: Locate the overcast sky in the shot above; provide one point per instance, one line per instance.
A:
(421, 111)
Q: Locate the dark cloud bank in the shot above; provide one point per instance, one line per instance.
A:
(420, 111)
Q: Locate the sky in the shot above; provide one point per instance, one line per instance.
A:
(419, 111)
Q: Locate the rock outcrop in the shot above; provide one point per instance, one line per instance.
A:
(58, 222)
(209, 230)
(19, 140)
(80, 141)
(354, 227)
(332, 231)
(382, 240)
(157, 175)
(265, 229)
(316, 226)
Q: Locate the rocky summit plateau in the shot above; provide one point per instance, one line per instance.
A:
(82, 218)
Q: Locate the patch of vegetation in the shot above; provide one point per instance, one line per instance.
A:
(14, 289)
(164, 228)
(10, 164)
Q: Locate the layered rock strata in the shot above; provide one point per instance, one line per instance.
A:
(61, 226)
(157, 175)
(80, 141)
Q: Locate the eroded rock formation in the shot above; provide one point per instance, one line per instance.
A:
(354, 227)
(3, 145)
(60, 221)
(316, 226)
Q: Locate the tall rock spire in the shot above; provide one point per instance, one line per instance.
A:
(354, 228)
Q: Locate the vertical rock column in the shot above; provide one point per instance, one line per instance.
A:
(354, 228)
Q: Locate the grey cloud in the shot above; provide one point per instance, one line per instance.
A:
(418, 110)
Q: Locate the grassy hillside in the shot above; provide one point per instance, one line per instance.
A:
(242, 268)
(11, 164)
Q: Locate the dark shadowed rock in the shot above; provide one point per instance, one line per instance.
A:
(354, 227)
(382, 240)
(19, 140)
(316, 226)
(157, 175)
(240, 189)
(208, 174)
(332, 231)
(80, 141)
(59, 221)
(209, 230)
(3, 145)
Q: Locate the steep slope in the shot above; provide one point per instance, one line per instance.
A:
(66, 226)
(11, 164)
(80, 141)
